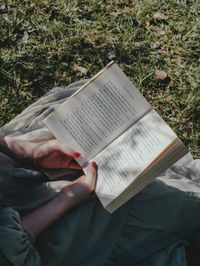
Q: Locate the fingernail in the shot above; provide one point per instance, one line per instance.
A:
(94, 165)
(77, 154)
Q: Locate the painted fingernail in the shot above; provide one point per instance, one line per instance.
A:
(94, 165)
(77, 154)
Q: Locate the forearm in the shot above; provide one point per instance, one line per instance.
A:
(78, 191)
(4, 146)
(41, 218)
(19, 148)
(8, 146)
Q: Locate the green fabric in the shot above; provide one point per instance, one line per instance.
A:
(16, 244)
(144, 229)
(59, 243)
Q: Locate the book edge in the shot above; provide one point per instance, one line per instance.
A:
(153, 163)
(126, 195)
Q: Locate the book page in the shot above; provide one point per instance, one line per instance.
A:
(125, 158)
(98, 114)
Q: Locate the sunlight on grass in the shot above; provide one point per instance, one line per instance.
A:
(43, 42)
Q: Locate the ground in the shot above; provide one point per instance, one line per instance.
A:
(52, 43)
(46, 43)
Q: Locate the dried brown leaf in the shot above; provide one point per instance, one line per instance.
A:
(159, 15)
(161, 75)
(80, 69)
(147, 23)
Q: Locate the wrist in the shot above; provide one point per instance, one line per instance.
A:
(66, 198)
(17, 150)
(75, 193)
(17, 147)
(3, 145)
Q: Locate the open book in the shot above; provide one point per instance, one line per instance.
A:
(109, 121)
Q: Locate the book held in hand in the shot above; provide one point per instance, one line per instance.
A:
(109, 121)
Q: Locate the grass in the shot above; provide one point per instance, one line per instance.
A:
(44, 42)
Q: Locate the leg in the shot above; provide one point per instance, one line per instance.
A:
(164, 212)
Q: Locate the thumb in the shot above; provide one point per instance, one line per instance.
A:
(91, 177)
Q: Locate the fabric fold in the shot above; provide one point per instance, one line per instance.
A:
(17, 245)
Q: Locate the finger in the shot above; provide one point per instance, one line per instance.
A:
(91, 176)
(67, 150)
(54, 146)
(74, 165)
(55, 159)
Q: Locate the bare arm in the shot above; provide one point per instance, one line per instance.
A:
(53, 154)
(46, 154)
(70, 196)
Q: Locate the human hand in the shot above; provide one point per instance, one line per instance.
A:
(48, 154)
(82, 188)
(70, 195)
